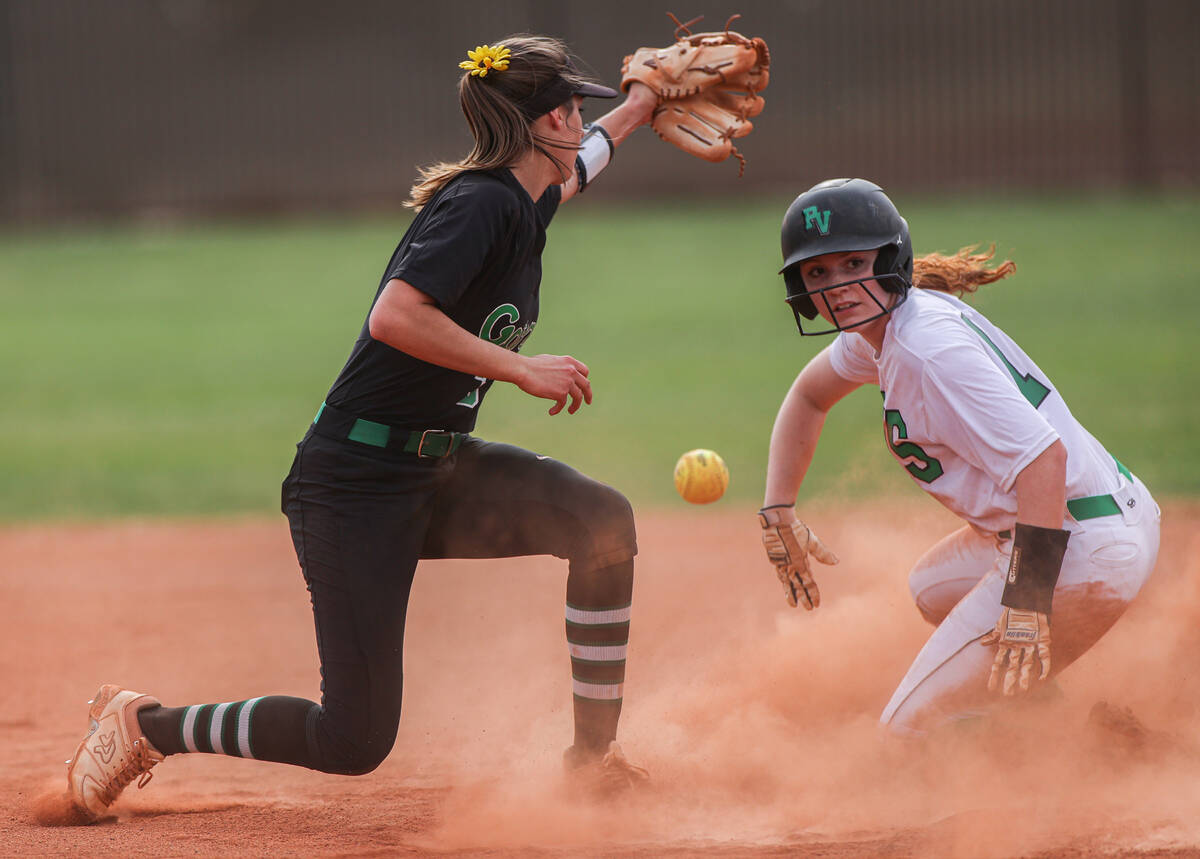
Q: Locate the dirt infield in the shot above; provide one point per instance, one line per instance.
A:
(757, 722)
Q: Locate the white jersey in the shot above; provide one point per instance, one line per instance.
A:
(966, 410)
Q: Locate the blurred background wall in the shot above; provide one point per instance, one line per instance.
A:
(181, 107)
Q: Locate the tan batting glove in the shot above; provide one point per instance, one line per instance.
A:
(789, 542)
(1020, 637)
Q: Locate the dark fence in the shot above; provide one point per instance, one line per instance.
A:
(206, 106)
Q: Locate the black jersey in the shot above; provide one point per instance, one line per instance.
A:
(476, 249)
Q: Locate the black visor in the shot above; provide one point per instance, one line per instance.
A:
(556, 92)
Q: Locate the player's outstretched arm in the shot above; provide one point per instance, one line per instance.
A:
(629, 115)
(1022, 633)
(789, 542)
(798, 427)
(609, 132)
(410, 320)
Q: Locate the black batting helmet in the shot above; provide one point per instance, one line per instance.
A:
(841, 215)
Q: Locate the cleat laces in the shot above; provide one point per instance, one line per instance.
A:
(139, 764)
(618, 771)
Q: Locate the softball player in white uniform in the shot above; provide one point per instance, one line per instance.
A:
(1059, 536)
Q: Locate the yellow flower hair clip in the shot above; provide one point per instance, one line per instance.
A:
(485, 58)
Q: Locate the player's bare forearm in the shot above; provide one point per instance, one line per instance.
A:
(793, 442)
(798, 427)
(635, 110)
(407, 319)
(1041, 489)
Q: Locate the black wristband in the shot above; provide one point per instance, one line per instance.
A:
(581, 172)
(762, 510)
(1037, 558)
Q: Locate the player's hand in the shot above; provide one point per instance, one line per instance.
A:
(1020, 637)
(559, 378)
(789, 542)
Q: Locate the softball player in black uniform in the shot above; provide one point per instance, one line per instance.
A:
(388, 474)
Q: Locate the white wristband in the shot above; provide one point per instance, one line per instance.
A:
(595, 152)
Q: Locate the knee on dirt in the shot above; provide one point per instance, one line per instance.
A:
(355, 760)
(345, 755)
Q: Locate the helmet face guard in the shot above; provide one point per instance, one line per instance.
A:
(804, 304)
(839, 216)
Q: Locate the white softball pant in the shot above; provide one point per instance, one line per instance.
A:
(957, 586)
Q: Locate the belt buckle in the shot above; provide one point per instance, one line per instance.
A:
(437, 433)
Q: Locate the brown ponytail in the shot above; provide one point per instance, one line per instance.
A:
(960, 274)
(493, 108)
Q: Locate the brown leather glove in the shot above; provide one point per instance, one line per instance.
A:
(789, 542)
(707, 86)
(1020, 636)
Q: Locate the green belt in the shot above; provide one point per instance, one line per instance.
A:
(1095, 506)
(1091, 507)
(431, 443)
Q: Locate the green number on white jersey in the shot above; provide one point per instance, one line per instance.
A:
(924, 468)
(1030, 388)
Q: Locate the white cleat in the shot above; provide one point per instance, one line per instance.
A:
(114, 752)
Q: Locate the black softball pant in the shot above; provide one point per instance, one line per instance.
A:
(361, 518)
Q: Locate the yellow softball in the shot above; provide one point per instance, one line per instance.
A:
(701, 476)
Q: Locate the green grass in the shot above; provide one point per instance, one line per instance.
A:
(151, 371)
